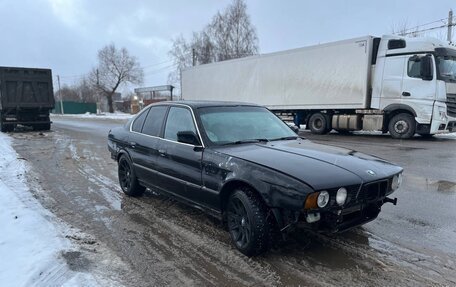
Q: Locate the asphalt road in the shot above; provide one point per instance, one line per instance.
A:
(153, 240)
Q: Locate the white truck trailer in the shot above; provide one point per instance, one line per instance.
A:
(391, 84)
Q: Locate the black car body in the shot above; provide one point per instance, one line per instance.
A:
(257, 184)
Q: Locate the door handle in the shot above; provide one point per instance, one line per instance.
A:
(161, 152)
(132, 144)
(406, 94)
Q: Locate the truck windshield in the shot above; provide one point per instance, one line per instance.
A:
(242, 124)
(447, 68)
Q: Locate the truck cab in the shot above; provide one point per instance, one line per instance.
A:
(415, 79)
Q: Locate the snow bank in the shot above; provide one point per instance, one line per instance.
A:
(113, 116)
(30, 243)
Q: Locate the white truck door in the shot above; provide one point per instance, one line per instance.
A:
(416, 92)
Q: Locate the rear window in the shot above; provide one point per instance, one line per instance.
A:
(138, 122)
(154, 121)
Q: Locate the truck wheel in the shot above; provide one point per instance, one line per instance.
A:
(247, 222)
(127, 178)
(402, 126)
(6, 128)
(318, 124)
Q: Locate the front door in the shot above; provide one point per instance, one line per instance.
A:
(418, 93)
(179, 164)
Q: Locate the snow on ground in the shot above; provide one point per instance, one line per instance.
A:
(31, 242)
(109, 116)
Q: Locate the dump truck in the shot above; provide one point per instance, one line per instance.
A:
(26, 98)
(391, 84)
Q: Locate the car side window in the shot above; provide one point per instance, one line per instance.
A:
(138, 122)
(154, 121)
(179, 120)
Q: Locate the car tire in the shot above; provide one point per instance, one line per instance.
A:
(247, 221)
(402, 126)
(127, 178)
(318, 124)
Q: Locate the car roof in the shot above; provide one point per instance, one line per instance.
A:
(203, 104)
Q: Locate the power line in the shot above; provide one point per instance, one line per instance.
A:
(421, 25)
(429, 29)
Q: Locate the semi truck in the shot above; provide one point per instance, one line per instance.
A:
(404, 86)
(26, 98)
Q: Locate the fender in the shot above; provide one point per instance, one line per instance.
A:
(394, 107)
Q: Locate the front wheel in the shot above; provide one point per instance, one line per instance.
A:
(247, 222)
(402, 126)
(127, 178)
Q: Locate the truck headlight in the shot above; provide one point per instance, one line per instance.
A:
(396, 182)
(442, 113)
(323, 199)
(341, 196)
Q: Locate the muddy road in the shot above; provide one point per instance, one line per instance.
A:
(153, 240)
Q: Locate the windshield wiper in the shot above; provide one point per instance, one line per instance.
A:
(286, 138)
(246, 141)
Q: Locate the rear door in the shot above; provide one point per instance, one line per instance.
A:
(27, 88)
(145, 144)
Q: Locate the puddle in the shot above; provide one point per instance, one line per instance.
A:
(441, 185)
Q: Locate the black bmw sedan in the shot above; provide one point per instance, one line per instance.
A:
(244, 165)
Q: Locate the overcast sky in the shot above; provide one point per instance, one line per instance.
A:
(65, 35)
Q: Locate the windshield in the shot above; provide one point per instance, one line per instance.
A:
(238, 124)
(447, 68)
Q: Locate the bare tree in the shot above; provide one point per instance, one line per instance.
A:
(229, 35)
(232, 33)
(86, 92)
(181, 52)
(116, 67)
(68, 93)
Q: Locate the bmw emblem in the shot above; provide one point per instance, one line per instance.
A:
(370, 172)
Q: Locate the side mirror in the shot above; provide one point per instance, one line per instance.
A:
(426, 68)
(188, 137)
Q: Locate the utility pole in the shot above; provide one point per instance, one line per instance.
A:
(450, 26)
(193, 57)
(98, 94)
(60, 95)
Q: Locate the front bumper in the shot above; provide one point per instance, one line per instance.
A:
(441, 121)
(364, 206)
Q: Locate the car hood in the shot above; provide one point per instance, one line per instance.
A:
(320, 166)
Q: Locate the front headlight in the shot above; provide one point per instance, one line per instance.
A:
(323, 199)
(396, 182)
(341, 196)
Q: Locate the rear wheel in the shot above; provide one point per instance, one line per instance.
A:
(247, 222)
(402, 126)
(318, 124)
(127, 178)
(6, 128)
